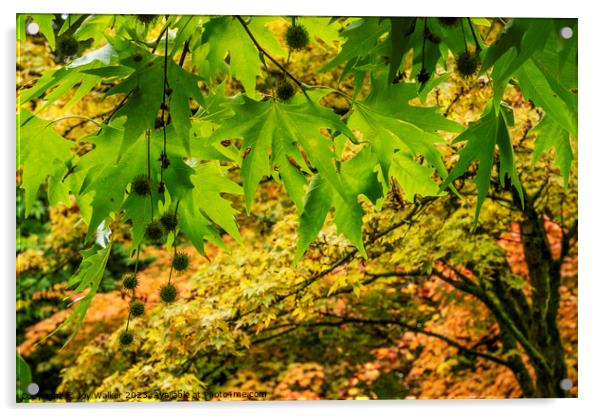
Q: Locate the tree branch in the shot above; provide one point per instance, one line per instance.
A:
(466, 351)
(264, 52)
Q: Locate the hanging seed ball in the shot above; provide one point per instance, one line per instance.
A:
(130, 281)
(67, 45)
(297, 37)
(448, 21)
(164, 161)
(141, 185)
(285, 91)
(154, 231)
(168, 293)
(137, 308)
(145, 18)
(169, 221)
(180, 261)
(423, 76)
(467, 63)
(126, 338)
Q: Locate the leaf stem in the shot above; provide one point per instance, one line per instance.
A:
(474, 35)
(163, 106)
(263, 51)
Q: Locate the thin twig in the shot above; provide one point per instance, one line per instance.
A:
(264, 52)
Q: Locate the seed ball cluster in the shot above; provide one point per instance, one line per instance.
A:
(285, 91)
(126, 338)
(297, 37)
(448, 21)
(154, 231)
(67, 45)
(180, 261)
(145, 18)
(169, 221)
(137, 308)
(168, 293)
(130, 282)
(141, 185)
(467, 63)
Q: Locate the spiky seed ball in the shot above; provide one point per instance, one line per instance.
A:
(467, 63)
(168, 293)
(154, 231)
(145, 18)
(297, 37)
(67, 45)
(285, 91)
(130, 281)
(448, 21)
(137, 308)
(126, 338)
(180, 261)
(423, 76)
(169, 221)
(141, 185)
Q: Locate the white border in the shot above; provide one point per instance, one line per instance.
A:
(590, 282)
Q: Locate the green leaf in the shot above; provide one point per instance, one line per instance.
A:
(41, 151)
(481, 138)
(400, 36)
(44, 21)
(413, 177)
(88, 277)
(105, 55)
(557, 101)
(184, 86)
(359, 178)
(108, 178)
(23, 374)
(209, 183)
(273, 133)
(145, 90)
(195, 225)
(521, 39)
(321, 28)
(226, 37)
(551, 135)
(390, 124)
(316, 207)
(361, 38)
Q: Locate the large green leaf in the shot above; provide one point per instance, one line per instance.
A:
(481, 139)
(144, 90)
(273, 132)
(226, 37)
(359, 178)
(520, 40)
(41, 151)
(391, 125)
(537, 84)
(108, 178)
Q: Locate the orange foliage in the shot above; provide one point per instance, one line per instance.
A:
(108, 311)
